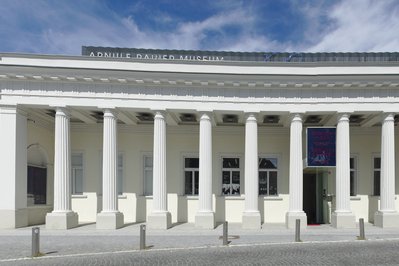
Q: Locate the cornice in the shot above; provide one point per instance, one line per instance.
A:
(197, 83)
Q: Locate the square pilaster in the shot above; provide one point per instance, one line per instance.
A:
(61, 220)
(205, 220)
(291, 217)
(159, 220)
(386, 219)
(343, 220)
(109, 220)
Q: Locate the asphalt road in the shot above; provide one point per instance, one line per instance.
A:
(375, 252)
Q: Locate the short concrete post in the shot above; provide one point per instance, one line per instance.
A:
(225, 234)
(35, 241)
(142, 237)
(362, 236)
(297, 230)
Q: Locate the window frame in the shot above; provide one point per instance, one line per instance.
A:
(374, 170)
(119, 179)
(144, 169)
(354, 170)
(277, 170)
(73, 177)
(239, 170)
(193, 170)
(46, 183)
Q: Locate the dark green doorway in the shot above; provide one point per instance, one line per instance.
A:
(313, 198)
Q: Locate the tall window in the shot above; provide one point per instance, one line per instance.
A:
(377, 175)
(119, 173)
(231, 176)
(77, 173)
(191, 176)
(353, 176)
(37, 185)
(148, 176)
(268, 176)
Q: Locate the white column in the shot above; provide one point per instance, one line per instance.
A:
(205, 217)
(62, 216)
(296, 174)
(387, 216)
(251, 217)
(160, 217)
(13, 165)
(110, 217)
(342, 216)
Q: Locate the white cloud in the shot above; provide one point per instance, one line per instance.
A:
(361, 26)
(62, 27)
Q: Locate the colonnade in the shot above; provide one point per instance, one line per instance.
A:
(110, 217)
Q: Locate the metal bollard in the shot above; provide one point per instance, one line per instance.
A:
(361, 227)
(297, 230)
(35, 241)
(225, 234)
(142, 237)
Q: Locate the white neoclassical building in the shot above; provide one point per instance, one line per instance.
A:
(121, 136)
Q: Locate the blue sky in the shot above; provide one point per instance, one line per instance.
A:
(63, 26)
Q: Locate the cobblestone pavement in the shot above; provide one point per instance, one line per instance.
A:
(329, 253)
(185, 244)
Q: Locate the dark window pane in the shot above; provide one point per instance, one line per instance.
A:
(352, 163)
(196, 184)
(231, 163)
(377, 163)
(272, 183)
(226, 183)
(267, 163)
(236, 183)
(188, 183)
(37, 185)
(376, 183)
(236, 177)
(191, 162)
(78, 181)
(262, 183)
(352, 183)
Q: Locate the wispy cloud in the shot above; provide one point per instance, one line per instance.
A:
(62, 27)
(361, 25)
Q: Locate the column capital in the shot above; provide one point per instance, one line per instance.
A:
(206, 116)
(159, 114)
(62, 111)
(251, 115)
(296, 117)
(388, 116)
(344, 116)
(110, 112)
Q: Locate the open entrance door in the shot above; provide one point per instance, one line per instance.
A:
(313, 188)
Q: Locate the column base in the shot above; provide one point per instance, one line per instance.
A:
(61, 220)
(159, 220)
(13, 218)
(109, 220)
(205, 220)
(251, 220)
(386, 219)
(343, 220)
(291, 217)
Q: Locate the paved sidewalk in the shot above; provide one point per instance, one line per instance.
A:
(16, 243)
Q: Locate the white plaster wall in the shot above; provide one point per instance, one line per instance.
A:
(13, 163)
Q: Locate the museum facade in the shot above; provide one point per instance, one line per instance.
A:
(120, 136)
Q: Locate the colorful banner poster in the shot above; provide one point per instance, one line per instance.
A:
(321, 146)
